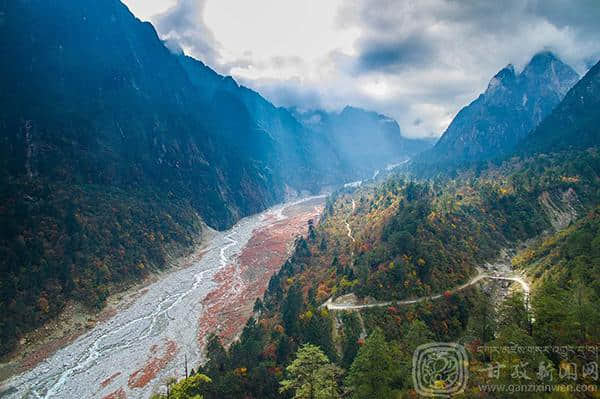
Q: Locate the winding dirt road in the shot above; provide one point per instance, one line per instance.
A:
(352, 305)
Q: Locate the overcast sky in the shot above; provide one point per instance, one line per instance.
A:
(418, 61)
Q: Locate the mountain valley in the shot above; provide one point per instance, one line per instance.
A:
(168, 232)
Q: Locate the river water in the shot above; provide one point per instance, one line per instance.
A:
(153, 334)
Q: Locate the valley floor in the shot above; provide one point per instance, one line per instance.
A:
(133, 352)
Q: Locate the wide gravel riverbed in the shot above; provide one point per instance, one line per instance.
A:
(131, 354)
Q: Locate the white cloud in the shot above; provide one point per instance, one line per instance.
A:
(146, 9)
(413, 60)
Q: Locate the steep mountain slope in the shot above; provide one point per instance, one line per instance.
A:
(114, 151)
(513, 104)
(105, 162)
(93, 96)
(366, 140)
(304, 158)
(574, 123)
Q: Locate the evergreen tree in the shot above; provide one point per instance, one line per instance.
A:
(291, 310)
(284, 349)
(513, 312)
(311, 375)
(482, 323)
(352, 330)
(374, 370)
(218, 360)
(417, 334)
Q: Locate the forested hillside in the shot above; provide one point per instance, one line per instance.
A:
(114, 151)
(407, 239)
(106, 164)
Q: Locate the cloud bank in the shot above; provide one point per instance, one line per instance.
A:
(418, 61)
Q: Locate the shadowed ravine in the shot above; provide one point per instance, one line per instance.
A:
(132, 353)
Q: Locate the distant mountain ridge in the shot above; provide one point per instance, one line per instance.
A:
(366, 139)
(512, 105)
(306, 160)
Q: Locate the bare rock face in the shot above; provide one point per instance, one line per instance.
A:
(561, 208)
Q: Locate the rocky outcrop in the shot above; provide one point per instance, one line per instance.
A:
(561, 208)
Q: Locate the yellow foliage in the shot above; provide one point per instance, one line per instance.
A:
(439, 384)
(431, 216)
(345, 283)
(523, 258)
(307, 315)
(184, 388)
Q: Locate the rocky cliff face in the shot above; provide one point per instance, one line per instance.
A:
(513, 105)
(574, 123)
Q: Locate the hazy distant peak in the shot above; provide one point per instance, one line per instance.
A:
(230, 83)
(349, 110)
(543, 59)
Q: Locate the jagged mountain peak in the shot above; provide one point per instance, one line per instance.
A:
(505, 78)
(573, 123)
(352, 110)
(507, 73)
(543, 59)
(546, 68)
(512, 105)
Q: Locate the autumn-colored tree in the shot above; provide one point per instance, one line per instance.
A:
(187, 388)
